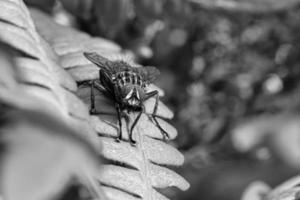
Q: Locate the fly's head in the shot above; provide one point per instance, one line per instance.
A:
(132, 96)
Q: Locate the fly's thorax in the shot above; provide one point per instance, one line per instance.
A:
(129, 78)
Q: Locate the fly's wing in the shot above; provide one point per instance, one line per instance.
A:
(106, 81)
(148, 73)
(100, 61)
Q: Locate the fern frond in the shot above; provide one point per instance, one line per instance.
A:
(133, 172)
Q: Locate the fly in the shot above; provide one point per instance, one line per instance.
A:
(126, 85)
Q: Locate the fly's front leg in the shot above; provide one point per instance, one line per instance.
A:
(153, 115)
(119, 136)
(132, 142)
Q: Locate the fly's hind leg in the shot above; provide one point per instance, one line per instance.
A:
(97, 86)
(153, 115)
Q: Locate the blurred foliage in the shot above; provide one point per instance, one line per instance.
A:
(233, 66)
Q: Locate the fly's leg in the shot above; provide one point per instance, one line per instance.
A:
(153, 115)
(92, 97)
(94, 85)
(97, 86)
(132, 142)
(119, 136)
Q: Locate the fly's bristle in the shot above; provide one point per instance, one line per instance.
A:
(127, 58)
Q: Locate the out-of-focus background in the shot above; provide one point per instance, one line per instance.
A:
(230, 71)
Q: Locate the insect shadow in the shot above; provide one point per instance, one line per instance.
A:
(126, 86)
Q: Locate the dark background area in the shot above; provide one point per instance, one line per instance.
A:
(219, 68)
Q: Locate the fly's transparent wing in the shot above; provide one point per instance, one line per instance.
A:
(148, 73)
(100, 61)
